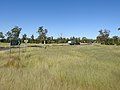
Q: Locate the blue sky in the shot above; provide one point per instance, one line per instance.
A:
(70, 17)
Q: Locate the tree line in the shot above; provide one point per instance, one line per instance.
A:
(14, 34)
(104, 38)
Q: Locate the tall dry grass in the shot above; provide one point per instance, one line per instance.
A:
(61, 68)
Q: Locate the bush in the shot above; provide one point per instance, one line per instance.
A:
(118, 43)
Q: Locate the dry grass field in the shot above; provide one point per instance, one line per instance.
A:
(93, 67)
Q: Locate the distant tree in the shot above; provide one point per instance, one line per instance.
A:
(50, 39)
(1, 35)
(61, 40)
(13, 34)
(9, 36)
(110, 41)
(16, 32)
(32, 38)
(84, 40)
(42, 34)
(118, 29)
(24, 37)
(115, 39)
(103, 36)
(72, 38)
(118, 37)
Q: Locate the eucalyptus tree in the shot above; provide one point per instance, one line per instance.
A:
(32, 38)
(1, 35)
(9, 36)
(103, 36)
(42, 34)
(24, 37)
(115, 39)
(13, 34)
(16, 32)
